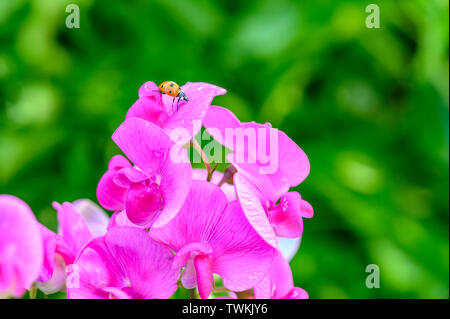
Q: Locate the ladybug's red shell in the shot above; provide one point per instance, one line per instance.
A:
(169, 88)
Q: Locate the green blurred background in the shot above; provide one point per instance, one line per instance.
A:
(370, 107)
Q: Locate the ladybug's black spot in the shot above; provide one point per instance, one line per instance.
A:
(170, 91)
(171, 84)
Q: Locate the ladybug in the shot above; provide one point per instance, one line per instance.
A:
(172, 89)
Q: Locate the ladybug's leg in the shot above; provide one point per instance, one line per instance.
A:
(172, 102)
(178, 102)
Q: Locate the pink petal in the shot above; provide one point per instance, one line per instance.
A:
(49, 239)
(251, 199)
(196, 218)
(217, 120)
(272, 151)
(150, 89)
(281, 277)
(149, 109)
(143, 204)
(190, 115)
(125, 263)
(239, 255)
(127, 176)
(185, 256)
(204, 271)
(191, 249)
(278, 281)
(283, 158)
(194, 89)
(92, 271)
(307, 210)
(164, 162)
(286, 217)
(73, 229)
(270, 187)
(116, 293)
(189, 277)
(57, 280)
(294, 164)
(118, 162)
(21, 253)
(263, 289)
(96, 219)
(109, 194)
(297, 293)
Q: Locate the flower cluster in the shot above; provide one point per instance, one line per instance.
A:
(171, 225)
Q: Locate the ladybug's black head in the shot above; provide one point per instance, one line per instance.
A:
(183, 96)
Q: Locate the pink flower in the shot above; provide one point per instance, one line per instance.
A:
(267, 217)
(78, 223)
(268, 164)
(211, 235)
(159, 109)
(154, 189)
(125, 263)
(259, 149)
(20, 247)
(278, 283)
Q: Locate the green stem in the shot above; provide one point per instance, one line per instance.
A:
(220, 289)
(193, 294)
(33, 291)
(199, 149)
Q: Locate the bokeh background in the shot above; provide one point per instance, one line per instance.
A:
(370, 107)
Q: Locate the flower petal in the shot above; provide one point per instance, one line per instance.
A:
(273, 152)
(143, 204)
(96, 218)
(150, 89)
(307, 210)
(297, 293)
(49, 239)
(239, 255)
(151, 149)
(196, 219)
(73, 229)
(109, 194)
(57, 280)
(217, 120)
(125, 259)
(149, 109)
(118, 162)
(204, 271)
(286, 217)
(279, 279)
(251, 199)
(191, 249)
(189, 117)
(21, 252)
